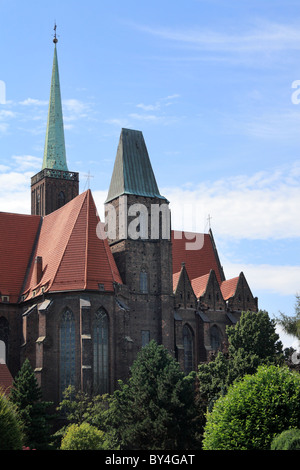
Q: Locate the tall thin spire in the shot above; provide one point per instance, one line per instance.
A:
(55, 152)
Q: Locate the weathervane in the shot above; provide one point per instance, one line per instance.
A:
(55, 40)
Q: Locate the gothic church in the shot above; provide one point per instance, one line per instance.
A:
(80, 301)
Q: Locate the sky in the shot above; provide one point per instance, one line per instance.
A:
(214, 85)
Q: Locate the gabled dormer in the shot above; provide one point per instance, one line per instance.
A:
(208, 292)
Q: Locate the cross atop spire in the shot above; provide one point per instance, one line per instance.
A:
(55, 152)
(55, 40)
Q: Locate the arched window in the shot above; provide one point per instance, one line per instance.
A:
(67, 350)
(61, 199)
(143, 282)
(215, 339)
(188, 347)
(4, 332)
(100, 351)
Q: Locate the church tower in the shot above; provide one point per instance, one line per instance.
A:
(54, 185)
(139, 235)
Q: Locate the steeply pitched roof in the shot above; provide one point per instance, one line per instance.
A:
(73, 256)
(55, 152)
(17, 236)
(198, 262)
(132, 173)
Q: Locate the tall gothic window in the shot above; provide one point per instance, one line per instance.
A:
(143, 282)
(67, 350)
(101, 356)
(188, 347)
(215, 337)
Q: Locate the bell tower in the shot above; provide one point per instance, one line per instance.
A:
(139, 234)
(54, 185)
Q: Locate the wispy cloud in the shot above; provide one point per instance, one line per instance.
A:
(151, 112)
(264, 36)
(259, 206)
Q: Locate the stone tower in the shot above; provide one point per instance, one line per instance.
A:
(139, 234)
(54, 185)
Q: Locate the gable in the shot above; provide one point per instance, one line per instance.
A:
(73, 256)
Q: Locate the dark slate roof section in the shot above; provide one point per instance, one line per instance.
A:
(132, 173)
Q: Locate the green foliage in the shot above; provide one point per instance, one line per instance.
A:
(156, 409)
(287, 440)
(255, 333)
(254, 410)
(26, 396)
(291, 325)
(79, 407)
(83, 437)
(253, 341)
(10, 426)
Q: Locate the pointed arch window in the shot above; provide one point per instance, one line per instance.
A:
(188, 347)
(144, 282)
(67, 350)
(101, 352)
(61, 199)
(215, 338)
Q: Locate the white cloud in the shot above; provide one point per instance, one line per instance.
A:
(264, 36)
(26, 162)
(33, 102)
(259, 206)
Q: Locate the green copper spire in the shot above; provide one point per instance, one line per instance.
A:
(55, 152)
(132, 173)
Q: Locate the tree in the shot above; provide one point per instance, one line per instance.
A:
(287, 440)
(254, 411)
(10, 426)
(253, 341)
(156, 408)
(83, 437)
(79, 407)
(291, 325)
(27, 397)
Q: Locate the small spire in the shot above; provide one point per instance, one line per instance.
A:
(55, 152)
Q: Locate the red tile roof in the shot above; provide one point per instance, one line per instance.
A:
(199, 285)
(73, 256)
(228, 288)
(17, 236)
(197, 262)
(6, 380)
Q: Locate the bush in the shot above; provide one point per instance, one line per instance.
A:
(10, 427)
(287, 440)
(254, 411)
(82, 437)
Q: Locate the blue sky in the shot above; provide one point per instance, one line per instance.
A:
(208, 82)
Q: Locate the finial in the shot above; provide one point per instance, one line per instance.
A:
(55, 40)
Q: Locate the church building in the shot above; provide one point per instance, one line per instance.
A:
(79, 297)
